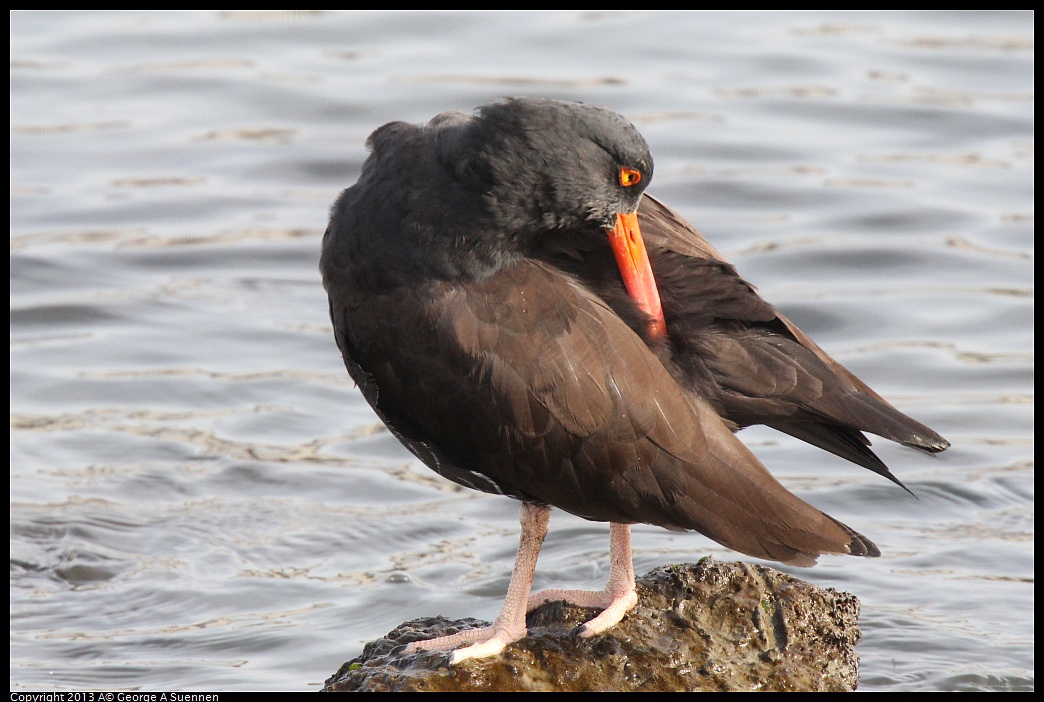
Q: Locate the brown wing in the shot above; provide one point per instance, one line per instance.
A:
(759, 367)
(733, 349)
(542, 392)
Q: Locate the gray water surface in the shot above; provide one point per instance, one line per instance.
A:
(200, 498)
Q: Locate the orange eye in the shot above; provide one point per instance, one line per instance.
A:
(629, 176)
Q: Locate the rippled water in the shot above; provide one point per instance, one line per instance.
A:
(200, 499)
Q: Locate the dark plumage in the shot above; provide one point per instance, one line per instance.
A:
(480, 308)
(735, 350)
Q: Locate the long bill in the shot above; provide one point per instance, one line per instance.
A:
(633, 261)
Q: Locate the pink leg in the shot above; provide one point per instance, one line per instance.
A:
(510, 625)
(615, 600)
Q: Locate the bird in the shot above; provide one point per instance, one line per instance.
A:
(529, 322)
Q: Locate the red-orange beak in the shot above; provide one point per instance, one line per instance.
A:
(633, 261)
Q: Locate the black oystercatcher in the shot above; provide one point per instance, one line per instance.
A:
(492, 297)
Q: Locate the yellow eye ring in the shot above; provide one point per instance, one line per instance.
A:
(629, 176)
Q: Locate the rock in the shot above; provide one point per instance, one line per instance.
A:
(708, 626)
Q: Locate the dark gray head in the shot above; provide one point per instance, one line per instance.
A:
(545, 164)
(467, 194)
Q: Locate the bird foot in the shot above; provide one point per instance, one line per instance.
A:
(614, 603)
(485, 641)
(510, 624)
